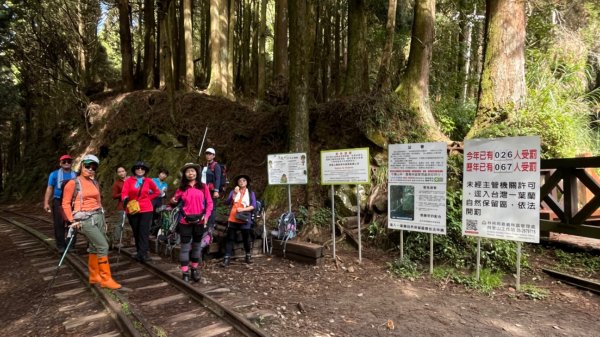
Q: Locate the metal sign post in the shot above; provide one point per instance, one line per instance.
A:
(358, 208)
(333, 218)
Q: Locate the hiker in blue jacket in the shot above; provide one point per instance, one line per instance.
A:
(56, 181)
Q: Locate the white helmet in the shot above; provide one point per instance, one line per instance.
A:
(90, 158)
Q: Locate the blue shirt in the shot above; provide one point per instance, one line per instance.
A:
(162, 186)
(56, 179)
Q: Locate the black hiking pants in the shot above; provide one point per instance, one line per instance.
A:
(140, 225)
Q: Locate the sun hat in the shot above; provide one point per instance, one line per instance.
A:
(65, 157)
(210, 150)
(140, 163)
(191, 165)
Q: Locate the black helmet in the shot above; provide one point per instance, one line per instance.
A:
(141, 164)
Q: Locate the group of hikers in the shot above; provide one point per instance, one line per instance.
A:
(74, 199)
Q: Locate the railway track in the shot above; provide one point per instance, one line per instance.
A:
(154, 301)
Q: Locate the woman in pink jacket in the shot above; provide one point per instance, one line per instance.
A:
(138, 187)
(196, 206)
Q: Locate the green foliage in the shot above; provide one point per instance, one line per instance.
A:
(404, 268)
(533, 292)
(582, 260)
(454, 118)
(321, 218)
(488, 280)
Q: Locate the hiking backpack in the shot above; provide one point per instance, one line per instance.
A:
(286, 226)
(258, 210)
(224, 178)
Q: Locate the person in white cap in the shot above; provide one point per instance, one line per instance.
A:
(211, 176)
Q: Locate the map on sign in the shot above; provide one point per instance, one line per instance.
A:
(417, 187)
(287, 169)
(345, 166)
(501, 188)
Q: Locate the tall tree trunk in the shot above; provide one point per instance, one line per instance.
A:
(357, 73)
(246, 43)
(262, 56)
(280, 50)
(189, 48)
(337, 49)
(414, 85)
(326, 51)
(464, 45)
(502, 88)
(301, 41)
(173, 32)
(126, 49)
(477, 64)
(383, 82)
(149, 44)
(83, 76)
(231, 50)
(254, 57)
(316, 55)
(219, 25)
(166, 59)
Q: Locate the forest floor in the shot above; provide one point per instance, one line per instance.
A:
(347, 298)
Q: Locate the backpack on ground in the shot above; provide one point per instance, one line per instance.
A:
(224, 178)
(286, 228)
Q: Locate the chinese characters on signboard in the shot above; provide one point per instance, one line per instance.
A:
(287, 169)
(501, 188)
(417, 187)
(346, 166)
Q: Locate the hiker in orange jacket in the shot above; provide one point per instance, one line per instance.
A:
(83, 210)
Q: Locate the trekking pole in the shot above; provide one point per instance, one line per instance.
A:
(121, 237)
(202, 144)
(71, 236)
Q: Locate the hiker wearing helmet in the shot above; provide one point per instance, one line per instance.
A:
(243, 202)
(137, 194)
(52, 199)
(83, 210)
(196, 208)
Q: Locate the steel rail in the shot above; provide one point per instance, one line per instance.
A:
(239, 322)
(574, 280)
(114, 309)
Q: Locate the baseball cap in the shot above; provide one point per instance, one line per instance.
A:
(65, 157)
(210, 150)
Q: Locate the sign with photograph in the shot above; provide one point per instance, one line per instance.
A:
(417, 187)
(287, 169)
(345, 166)
(501, 188)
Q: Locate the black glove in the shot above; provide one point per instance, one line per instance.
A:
(125, 203)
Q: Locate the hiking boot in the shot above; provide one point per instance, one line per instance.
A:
(185, 277)
(225, 262)
(248, 259)
(195, 274)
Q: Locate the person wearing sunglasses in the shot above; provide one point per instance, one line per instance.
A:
(143, 190)
(52, 198)
(83, 211)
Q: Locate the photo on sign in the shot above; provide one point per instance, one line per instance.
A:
(402, 202)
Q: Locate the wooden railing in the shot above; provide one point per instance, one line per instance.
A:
(570, 196)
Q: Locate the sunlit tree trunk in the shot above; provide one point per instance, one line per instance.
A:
(231, 43)
(83, 76)
(219, 71)
(414, 84)
(383, 77)
(357, 72)
(126, 49)
(502, 87)
(189, 48)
